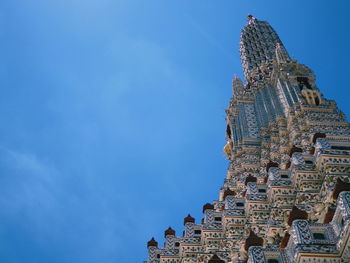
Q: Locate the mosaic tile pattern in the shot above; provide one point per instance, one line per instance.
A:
(288, 151)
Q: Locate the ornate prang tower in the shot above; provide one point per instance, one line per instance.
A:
(284, 199)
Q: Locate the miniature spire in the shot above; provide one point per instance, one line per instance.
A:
(281, 54)
(189, 219)
(152, 243)
(208, 210)
(208, 206)
(237, 86)
(152, 246)
(169, 232)
(189, 226)
(169, 238)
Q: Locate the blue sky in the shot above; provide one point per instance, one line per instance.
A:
(113, 114)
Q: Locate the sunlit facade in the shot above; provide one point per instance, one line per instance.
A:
(284, 199)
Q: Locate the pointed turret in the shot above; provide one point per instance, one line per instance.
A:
(237, 86)
(152, 247)
(152, 243)
(189, 219)
(281, 54)
(169, 232)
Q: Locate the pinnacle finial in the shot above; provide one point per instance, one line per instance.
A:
(189, 219)
(251, 19)
(169, 232)
(152, 243)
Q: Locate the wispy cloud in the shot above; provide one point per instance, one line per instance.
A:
(206, 35)
(37, 198)
(32, 183)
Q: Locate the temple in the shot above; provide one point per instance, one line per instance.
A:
(286, 195)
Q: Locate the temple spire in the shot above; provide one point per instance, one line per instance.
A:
(257, 45)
